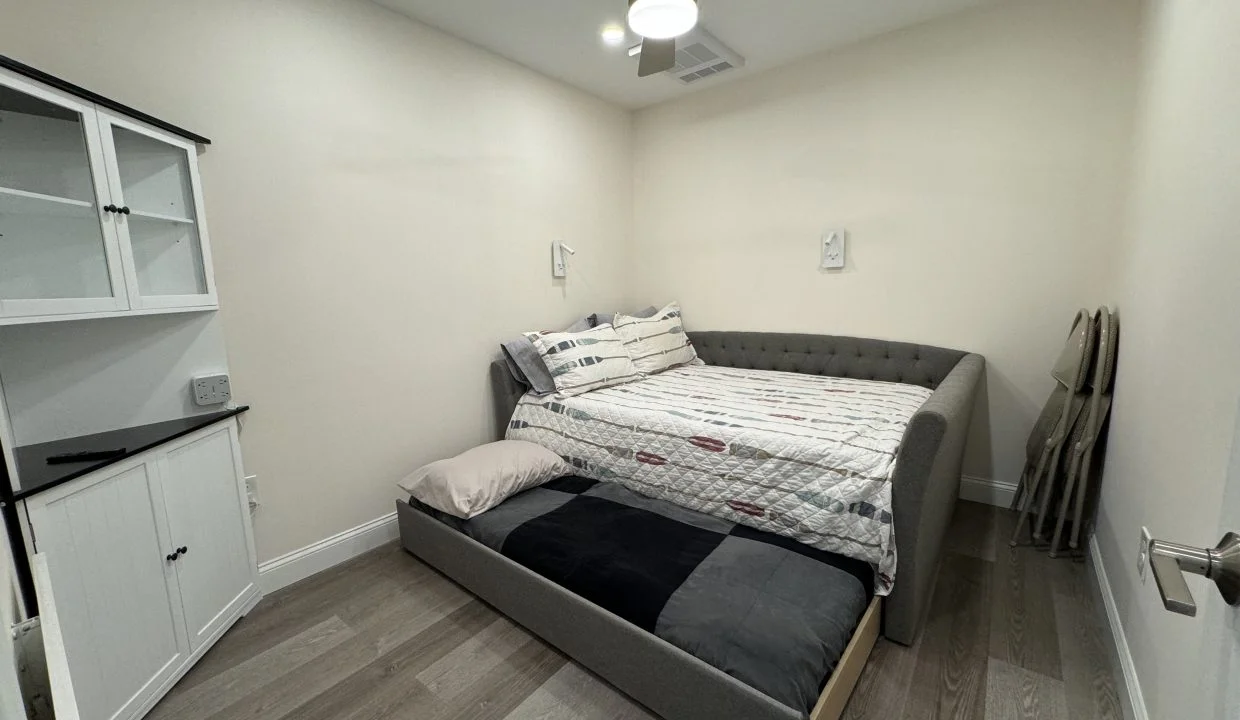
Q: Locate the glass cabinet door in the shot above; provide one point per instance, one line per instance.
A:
(154, 182)
(58, 249)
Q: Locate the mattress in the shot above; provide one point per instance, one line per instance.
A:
(769, 611)
(803, 456)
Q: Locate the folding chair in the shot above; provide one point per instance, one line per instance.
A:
(1056, 421)
(1082, 445)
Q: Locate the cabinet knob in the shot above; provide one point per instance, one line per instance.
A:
(109, 208)
(173, 557)
(182, 550)
(125, 210)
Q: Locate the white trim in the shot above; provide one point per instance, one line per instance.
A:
(1134, 699)
(990, 492)
(317, 557)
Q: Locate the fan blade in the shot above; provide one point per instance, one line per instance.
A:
(657, 56)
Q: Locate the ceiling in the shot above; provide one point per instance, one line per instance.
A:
(560, 38)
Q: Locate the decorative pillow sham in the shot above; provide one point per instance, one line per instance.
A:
(585, 361)
(656, 343)
(481, 478)
(526, 364)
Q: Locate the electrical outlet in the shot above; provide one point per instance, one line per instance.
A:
(1143, 554)
(211, 389)
(251, 491)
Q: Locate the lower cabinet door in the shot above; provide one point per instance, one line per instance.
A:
(208, 521)
(116, 590)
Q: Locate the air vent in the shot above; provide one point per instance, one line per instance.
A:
(700, 55)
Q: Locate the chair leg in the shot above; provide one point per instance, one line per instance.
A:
(1046, 494)
(1031, 491)
(1074, 466)
(1081, 495)
(1021, 486)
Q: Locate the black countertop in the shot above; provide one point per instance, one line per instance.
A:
(36, 476)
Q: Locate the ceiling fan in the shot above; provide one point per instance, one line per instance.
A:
(660, 22)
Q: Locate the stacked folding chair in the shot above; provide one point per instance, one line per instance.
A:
(1085, 437)
(1054, 426)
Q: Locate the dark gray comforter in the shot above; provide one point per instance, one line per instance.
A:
(765, 609)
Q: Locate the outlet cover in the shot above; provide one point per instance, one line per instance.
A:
(1143, 554)
(251, 491)
(211, 389)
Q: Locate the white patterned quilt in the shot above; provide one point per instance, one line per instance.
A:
(804, 456)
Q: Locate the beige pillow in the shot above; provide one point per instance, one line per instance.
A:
(481, 478)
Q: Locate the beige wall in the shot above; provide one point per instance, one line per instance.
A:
(1178, 294)
(977, 161)
(381, 198)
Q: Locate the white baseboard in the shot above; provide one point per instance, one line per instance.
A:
(317, 557)
(990, 492)
(1130, 694)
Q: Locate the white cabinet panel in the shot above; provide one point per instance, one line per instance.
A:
(208, 516)
(59, 251)
(64, 699)
(116, 592)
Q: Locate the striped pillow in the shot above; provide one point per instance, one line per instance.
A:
(585, 361)
(656, 343)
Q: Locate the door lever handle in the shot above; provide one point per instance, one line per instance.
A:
(1170, 561)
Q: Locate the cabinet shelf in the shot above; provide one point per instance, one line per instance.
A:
(31, 203)
(160, 217)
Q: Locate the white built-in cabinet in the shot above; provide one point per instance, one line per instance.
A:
(100, 215)
(150, 561)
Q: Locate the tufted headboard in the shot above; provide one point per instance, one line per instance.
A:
(848, 357)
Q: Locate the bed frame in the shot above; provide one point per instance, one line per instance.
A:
(672, 682)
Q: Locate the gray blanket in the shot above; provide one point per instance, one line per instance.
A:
(771, 612)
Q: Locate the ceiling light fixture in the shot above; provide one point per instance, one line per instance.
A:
(662, 19)
(635, 50)
(613, 34)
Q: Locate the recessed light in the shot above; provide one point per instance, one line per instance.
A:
(613, 34)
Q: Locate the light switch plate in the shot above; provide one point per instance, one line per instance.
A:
(833, 242)
(211, 389)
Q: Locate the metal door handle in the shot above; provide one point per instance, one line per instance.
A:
(1171, 560)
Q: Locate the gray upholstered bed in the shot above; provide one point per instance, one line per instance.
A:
(671, 681)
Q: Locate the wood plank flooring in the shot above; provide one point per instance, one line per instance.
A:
(1011, 635)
